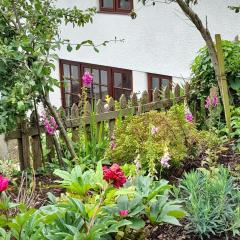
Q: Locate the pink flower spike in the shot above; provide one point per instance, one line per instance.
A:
(164, 160)
(123, 213)
(188, 116)
(87, 79)
(3, 183)
(215, 101)
(208, 102)
(113, 145)
(154, 130)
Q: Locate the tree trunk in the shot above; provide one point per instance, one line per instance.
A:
(206, 36)
(61, 128)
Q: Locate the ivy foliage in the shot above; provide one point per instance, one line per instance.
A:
(203, 75)
(29, 35)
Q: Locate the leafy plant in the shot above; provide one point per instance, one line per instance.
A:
(93, 209)
(211, 200)
(153, 135)
(235, 123)
(203, 76)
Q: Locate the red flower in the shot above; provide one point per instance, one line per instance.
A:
(3, 183)
(123, 213)
(115, 175)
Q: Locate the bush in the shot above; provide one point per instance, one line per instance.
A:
(212, 202)
(174, 137)
(203, 75)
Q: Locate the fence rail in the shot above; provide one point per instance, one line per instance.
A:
(29, 133)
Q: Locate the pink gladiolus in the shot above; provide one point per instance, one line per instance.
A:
(123, 213)
(87, 79)
(3, 183)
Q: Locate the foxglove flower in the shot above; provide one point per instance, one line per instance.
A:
(49, 123)
(165, 159)
(113, 145)
(123, 213)
(208, 102)
(87, 79)
(188, 115)
(114, 175)
(3, 183)
(215, 101)
(154, 130)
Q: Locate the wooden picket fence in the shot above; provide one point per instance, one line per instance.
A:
(29, 133)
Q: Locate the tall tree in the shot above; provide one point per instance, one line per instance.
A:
(29, 36)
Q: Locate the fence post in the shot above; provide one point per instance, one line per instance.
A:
(100, 125)
(144, 100)
(25, 144)
(111, 123)
(223, 80)
(36, 144)
(20, 149)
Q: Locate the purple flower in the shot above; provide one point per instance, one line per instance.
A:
(211, 102)
(113, 145)
(215, 101)
(165, 159)
(154, 130)
(49, 123)
(208, 102)
(87, 79)
(188, 116)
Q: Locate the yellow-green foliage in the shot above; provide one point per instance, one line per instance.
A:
(180, 137)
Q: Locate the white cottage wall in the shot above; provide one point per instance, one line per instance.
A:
(160, 40)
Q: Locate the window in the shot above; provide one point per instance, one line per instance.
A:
(116, 6)
(157, 81)
(106, 81)
(122, 83)
(70, 83)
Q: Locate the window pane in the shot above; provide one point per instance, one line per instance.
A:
(66, 71)
(104, 91)
(126, 81)
(75, 79)
(95, 73)
(124, 4)
(117, 80)
(155, 83)
(104, 77)
(127, 94)
(96, 91)
(75, 99)
(107, 3)
(117, 93)
(68, 100)
(87, 70)
(165, 83)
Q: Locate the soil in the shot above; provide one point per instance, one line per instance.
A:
(171, 232)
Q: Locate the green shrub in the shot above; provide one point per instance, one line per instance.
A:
(203, 76)
(176, 136)
(212, 201)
